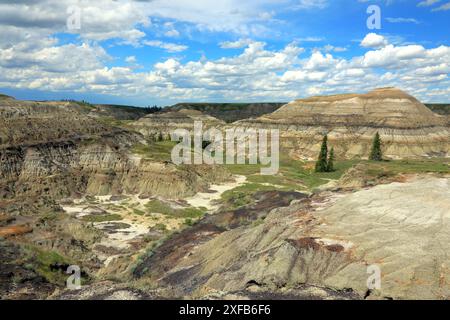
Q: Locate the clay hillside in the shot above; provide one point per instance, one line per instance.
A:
(407, 127)
(160, 125)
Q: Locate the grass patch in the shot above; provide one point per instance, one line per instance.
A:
(242, 195)
(300, 175)
(292, 174)
(158, 151)
(48, 263)
(138, 212)
(435, 165)
(156, 206)
(244, 169)
(161, 227)
(45, 259)
(102, 217)
(299, 172)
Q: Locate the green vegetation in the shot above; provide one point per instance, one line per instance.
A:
(157, 151)
(243, 169)
(393, 167)
(102, 217)
(45, 259)
(375, 153)
(205, 106)
(47, 263)
(138, 212)
(293, 175)
(300, 175)
(258, 222)
(151, 248)
(152, 109)
(86, 105)
(439, 108)
(47, 217)
(330, 162)
(160, 227)
(321, 164)
(243, 195)
(87, 141)
(157, 206)
(325, 162)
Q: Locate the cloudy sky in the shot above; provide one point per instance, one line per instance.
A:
(166, 51)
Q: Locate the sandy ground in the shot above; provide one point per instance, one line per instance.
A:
(120, 234)
(208, 199)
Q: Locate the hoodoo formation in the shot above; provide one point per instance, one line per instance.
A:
(407, 127)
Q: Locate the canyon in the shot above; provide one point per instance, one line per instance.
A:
(94, 186)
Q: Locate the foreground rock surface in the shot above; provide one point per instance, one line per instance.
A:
(328, 241)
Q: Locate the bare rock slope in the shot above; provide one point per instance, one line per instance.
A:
(57, 149)
(408, 129)
(328, 241)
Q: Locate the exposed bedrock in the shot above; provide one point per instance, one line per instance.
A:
(407, 128)
(327, 241)
(65, 168)
(50, 150)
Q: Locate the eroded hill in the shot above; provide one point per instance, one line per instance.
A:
(79, 186)
(407, 128)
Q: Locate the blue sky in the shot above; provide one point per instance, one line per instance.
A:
(163, 52)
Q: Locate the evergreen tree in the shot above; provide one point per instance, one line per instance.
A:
(321, 164)
(375, 153)
(330, 164)
(160, 137)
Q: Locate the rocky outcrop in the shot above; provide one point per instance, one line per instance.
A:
(407, 128)
(30, 122)
(60, 170)
(51, 150)
(326, 241)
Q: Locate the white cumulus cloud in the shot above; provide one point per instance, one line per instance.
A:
(373, 40)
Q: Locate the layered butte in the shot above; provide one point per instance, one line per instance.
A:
(408, 129)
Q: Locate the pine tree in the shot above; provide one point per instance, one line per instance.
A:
(375, 153)
(160, 137)
(321, 164)
(330, 163)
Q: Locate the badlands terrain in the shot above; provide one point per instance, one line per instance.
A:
(94, 186)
